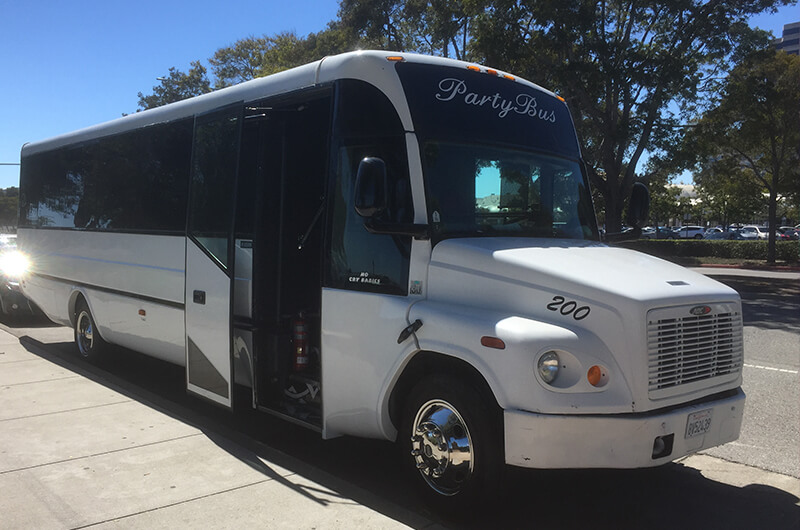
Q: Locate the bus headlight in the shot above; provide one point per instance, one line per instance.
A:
(14, 264)
(548, 366)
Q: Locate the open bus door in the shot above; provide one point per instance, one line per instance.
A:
(210, 255)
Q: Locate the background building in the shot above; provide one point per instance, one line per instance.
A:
(790, 41)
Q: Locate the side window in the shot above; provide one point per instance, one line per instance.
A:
(216, 142)
(133, 181)
(359, 260)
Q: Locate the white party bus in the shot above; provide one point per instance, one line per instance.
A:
(390, 246)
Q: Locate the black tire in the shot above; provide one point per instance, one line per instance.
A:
(88, 341)
(449, 480)
(698, 236)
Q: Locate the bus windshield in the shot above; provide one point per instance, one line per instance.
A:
(476, 190)
(500, 157)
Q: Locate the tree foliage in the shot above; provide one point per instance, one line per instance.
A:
(177, 86)
(630, 70)
(726, 192)
(755, 127)
(9, 207)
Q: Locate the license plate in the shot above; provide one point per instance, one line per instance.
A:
(698, 423)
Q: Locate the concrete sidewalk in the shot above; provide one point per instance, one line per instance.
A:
(77, 453)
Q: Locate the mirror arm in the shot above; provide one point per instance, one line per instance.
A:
(417, 231)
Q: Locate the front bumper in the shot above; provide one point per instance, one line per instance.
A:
(547, 441)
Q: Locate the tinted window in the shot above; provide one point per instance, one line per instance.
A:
(460, 104)
(216, 151)
(477, 190)
(368, 126)
(134, 181)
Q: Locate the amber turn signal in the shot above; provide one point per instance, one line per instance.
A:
(596, 376)
(493, 342)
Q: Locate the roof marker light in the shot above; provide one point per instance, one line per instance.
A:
(511, 77)
(473, 68)
(490, 71)
(562, 100)
(395, 58)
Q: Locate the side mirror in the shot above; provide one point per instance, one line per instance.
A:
(639, 205)
(371, 187)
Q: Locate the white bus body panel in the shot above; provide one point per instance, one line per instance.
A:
(359, 356)
(119, 274)
(522, 277)
(208, 337)
(625, 441)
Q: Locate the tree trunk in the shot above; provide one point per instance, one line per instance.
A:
(773, 223)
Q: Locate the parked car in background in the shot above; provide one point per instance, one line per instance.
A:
(753, 232)
(660, 232)
(12, 265)
(727, 235)
(688, 232)
(789, 232)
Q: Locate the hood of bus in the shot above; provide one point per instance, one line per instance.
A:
(580, 286)
(592, 270)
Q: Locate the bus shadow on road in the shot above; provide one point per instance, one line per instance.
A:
(325, 472)
(768, 303)
(669, 497)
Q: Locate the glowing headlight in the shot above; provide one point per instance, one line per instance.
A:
(14, 264)
(548, 366)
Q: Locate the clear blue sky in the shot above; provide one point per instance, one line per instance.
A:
(65, 65)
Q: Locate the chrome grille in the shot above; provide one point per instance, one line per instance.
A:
(688, 349)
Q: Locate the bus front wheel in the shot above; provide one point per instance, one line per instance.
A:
(89, 342)
(451, 440)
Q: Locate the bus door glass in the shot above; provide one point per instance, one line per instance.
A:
(209, 254)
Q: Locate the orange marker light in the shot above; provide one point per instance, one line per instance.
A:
(561, 99)
(493, 342)
(595, 376)
(473, 68)
(395, 58)
(490, 71)
(511, 77)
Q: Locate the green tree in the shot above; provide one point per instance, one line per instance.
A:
(177, 86)
(755, 127)
(379, 24)
(728, 192)
(254, 57)
(240, 62)
(9, 208)
(630, 70)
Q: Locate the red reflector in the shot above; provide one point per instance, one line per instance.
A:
(493, 342)
(142, 312)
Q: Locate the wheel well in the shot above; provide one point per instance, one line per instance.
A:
(425, 363)
(76, 298)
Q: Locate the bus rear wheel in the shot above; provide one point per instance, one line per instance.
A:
(452, 444)
(89, 342)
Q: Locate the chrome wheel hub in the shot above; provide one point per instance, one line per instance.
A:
(85, 333)
(442, 447)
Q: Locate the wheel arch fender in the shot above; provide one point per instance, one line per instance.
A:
(425, 362)
(443, 346)
(78, 294)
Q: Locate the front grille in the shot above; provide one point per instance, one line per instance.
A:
(688, 349)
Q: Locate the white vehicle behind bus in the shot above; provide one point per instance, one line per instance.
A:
(395, 247)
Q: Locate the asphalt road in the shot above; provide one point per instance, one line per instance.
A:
(672, 496)
(770, 436)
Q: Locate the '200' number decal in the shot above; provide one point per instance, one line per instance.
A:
(567, 308)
